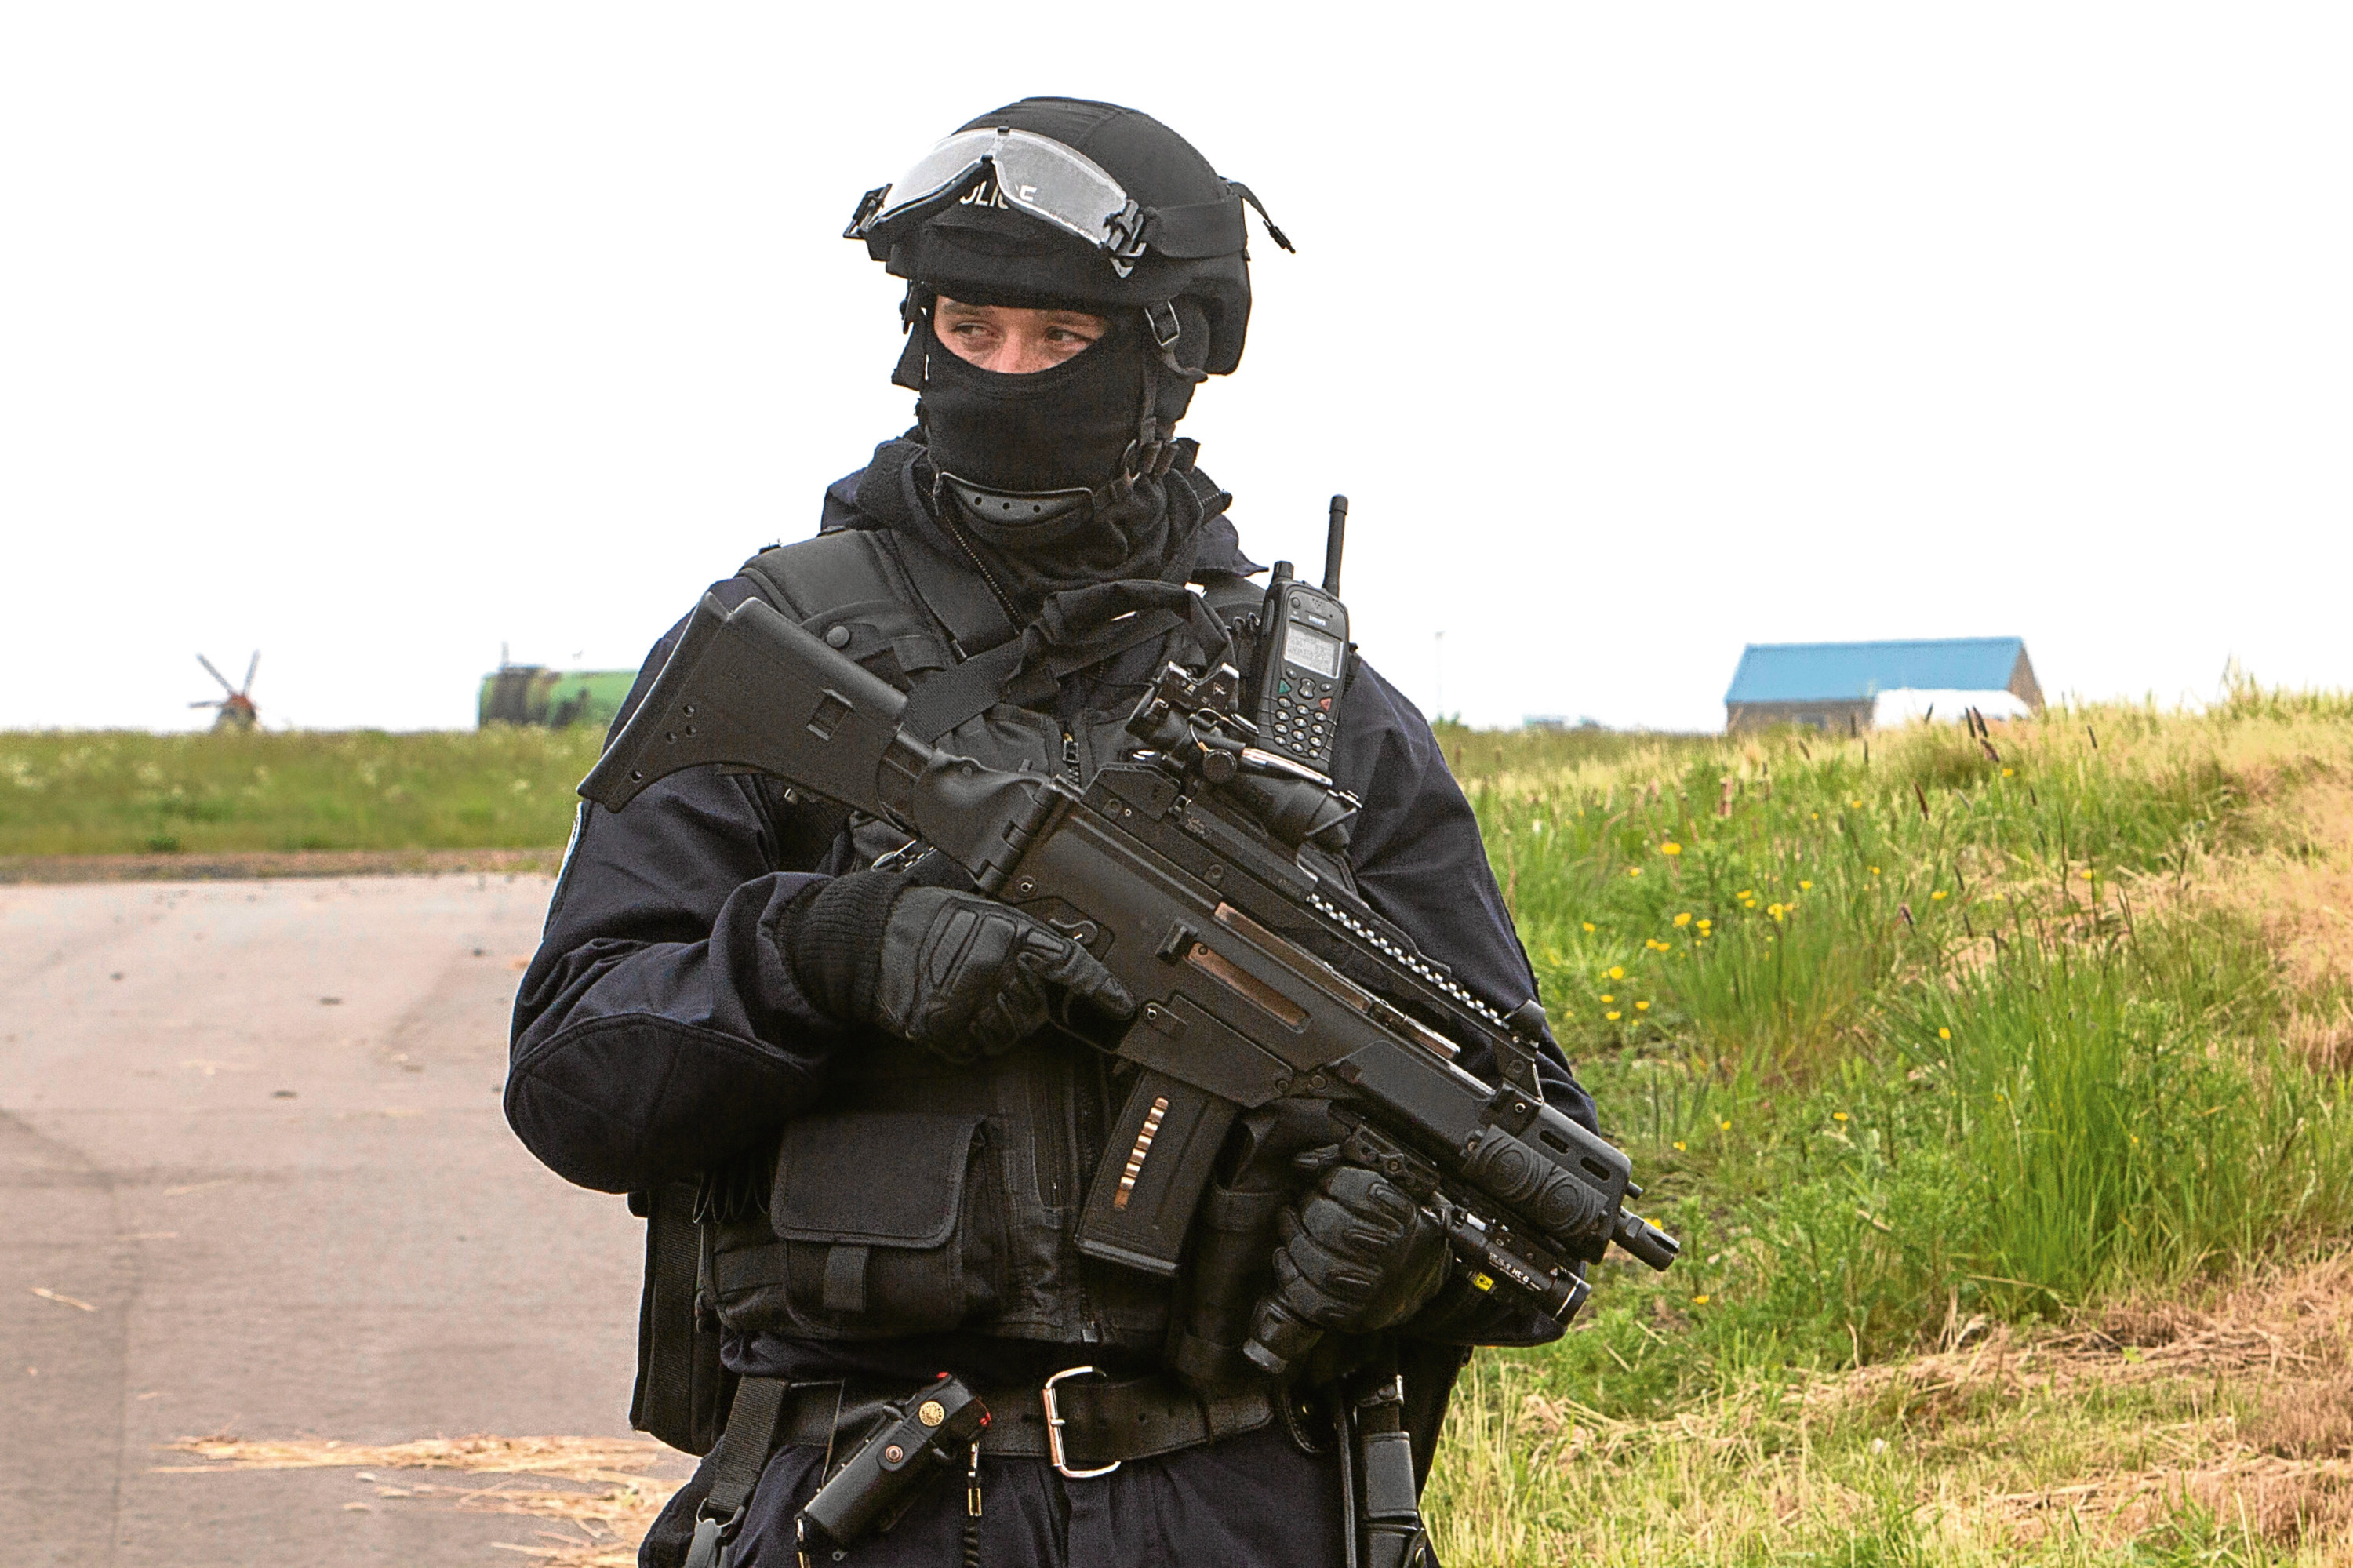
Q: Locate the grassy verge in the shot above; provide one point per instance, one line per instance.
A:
(1998, 1088)
(1928, 1044)
(120, 792)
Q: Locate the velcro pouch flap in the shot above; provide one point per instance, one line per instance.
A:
(872, 1178)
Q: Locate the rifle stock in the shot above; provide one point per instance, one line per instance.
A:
(747, 688)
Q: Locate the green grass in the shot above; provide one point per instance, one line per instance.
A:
(1903, 1036)
(119, 793)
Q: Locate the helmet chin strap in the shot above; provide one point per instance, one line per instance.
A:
(1167, 393)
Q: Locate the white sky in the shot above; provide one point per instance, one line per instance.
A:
(376, 336)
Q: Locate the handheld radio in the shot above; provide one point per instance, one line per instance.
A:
(1302, 657)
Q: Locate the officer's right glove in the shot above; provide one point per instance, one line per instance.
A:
(1358, 1253)
(958, 973)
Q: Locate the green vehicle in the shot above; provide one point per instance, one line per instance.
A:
(554, 699)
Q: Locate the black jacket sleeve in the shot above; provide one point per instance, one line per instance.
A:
(658, 1030)
(1417, 857)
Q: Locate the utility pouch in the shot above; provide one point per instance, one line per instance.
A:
(1231, 1265)
(682, 1392)
(885, 1231)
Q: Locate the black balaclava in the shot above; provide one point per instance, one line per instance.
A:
(1065, 427)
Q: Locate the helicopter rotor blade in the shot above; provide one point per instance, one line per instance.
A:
(251, 665)
(216, 674)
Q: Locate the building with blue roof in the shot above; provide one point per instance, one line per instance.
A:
(1839, 686)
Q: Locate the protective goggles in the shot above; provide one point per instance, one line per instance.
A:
(1016, 171)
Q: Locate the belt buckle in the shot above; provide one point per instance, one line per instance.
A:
(1054, 1424)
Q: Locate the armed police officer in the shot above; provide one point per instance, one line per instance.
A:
(837, 1078)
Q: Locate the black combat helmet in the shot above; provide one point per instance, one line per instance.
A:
(1066, 202)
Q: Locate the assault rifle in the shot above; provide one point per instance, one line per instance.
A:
(1256, 978)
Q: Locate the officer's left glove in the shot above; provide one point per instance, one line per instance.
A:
(962, 975)
(1358, 1253)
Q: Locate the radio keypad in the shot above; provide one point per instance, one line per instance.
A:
(1303, 713)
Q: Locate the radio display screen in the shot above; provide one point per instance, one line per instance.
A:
(1311, 650)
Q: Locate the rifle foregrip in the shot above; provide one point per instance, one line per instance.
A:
(749, 688)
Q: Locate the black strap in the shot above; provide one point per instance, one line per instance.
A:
(1104, 1422)
(955, 592)
(733, 1469)
(1197, 230)
(1074, 632)
(947, 699)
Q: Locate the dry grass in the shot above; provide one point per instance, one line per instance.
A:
(2299, 894)
(611, 1491)
(2085, 1442)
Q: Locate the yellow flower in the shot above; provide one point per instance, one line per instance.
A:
(1641, 1007)
(1606, 997)
(1617, 971)
(1743, 893)
(1805, 887)
(1679, 1146)
(1838, 1115)
(1776, 910)
(1612, 1017)
(1633, 871)
(2007, 771)
(1944, 1035)
(1723, 1126)
(1874, 871)
(1684, 920)
(1704, 925)
(1671, 847)
(2085, 875)
(1856, 805)
(1588, 924)
(2136, 1137)
(1933, 897)
(1701, 1300)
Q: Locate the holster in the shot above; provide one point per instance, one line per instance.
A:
(1380, 1492)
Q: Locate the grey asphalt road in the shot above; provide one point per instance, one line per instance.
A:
(255, 1126)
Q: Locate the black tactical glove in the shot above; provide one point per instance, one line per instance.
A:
(1356, 1253)
(957, 972)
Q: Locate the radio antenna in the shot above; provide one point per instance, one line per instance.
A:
(1332, 540)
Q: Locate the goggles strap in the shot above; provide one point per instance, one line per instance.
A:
(1272, 233)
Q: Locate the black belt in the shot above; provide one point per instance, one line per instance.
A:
(1103, 1422)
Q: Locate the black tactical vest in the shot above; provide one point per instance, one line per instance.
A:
(916, 1196)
